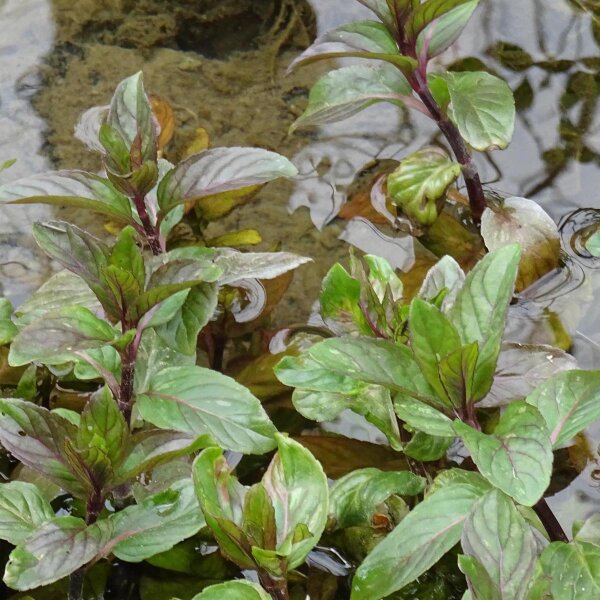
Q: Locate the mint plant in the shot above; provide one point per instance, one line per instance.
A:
(427, 374)
(128, 322)
(473, 110)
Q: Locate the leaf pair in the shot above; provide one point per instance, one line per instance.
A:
(273, 525)
(58, 546)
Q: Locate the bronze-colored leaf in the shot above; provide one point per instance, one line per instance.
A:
(166, 119)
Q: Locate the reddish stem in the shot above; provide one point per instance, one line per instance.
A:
(152, 236)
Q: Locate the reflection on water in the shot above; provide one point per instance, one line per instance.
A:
(546, 49)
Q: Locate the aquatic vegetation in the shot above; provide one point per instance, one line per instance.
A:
(128, 448)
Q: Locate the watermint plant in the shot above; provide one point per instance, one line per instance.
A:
(473, 110)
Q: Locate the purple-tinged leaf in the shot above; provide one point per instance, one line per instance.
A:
(344, 92)
(429, 11)
(36, 436)
(220, 170)
(69, 188)
(87, 129)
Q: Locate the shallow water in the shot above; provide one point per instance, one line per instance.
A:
(59, 57)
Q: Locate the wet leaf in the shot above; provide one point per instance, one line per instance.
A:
(501, 540)
(186, 399)
(420, 182)
(82, 254)
(69, 188)
(220, 170)
(130, 115)
(344, 92)
(430, 530)
(297, 487)
(572, 569)
(428, 12)
(54, 551)
(22, 510)
(255, 265)
(522, 368)
(479, 311)
(482, 107)
(152, 447)
(55, 337)
(432, 337)
(181, 331)
(157, 523)
(444, 30)
(355, 497)
(221, 498)
(569, 402)
(525, 222)
(445, 277)
(233, 590)
(517, 457)
(423, 417)
(35, 436)
(361, 39)
(374, 361)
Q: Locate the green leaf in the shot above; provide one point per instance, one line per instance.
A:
(339, 300)
(457, 373)
(428, 12)
(382, 10)
(374, 361)
(157, 523)
(360, 39)
(573, 570)
(569, 402)
(22, 510)
(233, 590)
(479, 311)
(441, 33)
(130, 115)
(150, 448)
(62, 289)
(258, 519)
(355, 497)
(98, 363)
(171, 278)
(238, 265)
(430, 530)
(456, 476)
(482, 107)
(423, 417)
(445, 277)
(220, 170)
(501, 540)
(344, 92)
(432, 337)
(517, 458)
(104, 428)
(419, 184)
(198, 400)
(81, 254)
(322, 395)
(221, 498)
(181, 331)
(298, 489)
(55, 337)
(54, 551)
(479, 580)
(127, 255)
(7, 164)
(77, 189)
(425, 447)
(36, 436)
(525, 222)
